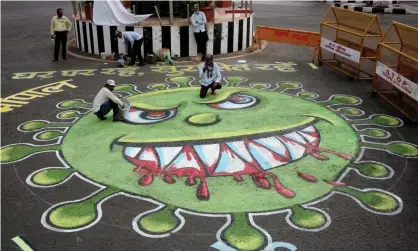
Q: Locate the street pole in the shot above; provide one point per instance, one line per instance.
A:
(170, 7)
(233, 11)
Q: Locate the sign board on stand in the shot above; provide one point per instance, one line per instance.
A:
(340, 50)
(400, 82)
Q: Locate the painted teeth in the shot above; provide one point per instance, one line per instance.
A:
(230, 157)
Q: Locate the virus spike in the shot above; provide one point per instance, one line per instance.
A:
(399, 148)
(241, 235)
(371, 169)
(340, 100)
(307, 177)
(382, 120)
(131, 89)
(77, 214)
(159, 222)
(307, 95)
(49, 135)
(234, 81)
(282, 86)
(373, 199)
(68, 114)
(74, 103)
(37, 125)
(185, 81)
(375, 133)
(307, 218)
(350, 111)
(17, 152)
(259, 85)
(158, 86)
(51, 176)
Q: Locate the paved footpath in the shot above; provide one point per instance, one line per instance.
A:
(287, 156)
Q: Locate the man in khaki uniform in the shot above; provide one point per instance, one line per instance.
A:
(60, 26)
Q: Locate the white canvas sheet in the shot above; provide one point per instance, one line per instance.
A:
(112, 12)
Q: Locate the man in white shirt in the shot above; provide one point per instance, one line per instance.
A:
(198, 21)
(105, 101)
(210, 76)
(133, 42)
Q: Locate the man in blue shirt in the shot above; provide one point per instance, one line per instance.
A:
(133, 43)
(210, 76)
(198, 21)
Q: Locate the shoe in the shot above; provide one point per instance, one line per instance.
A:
(101, 117)
(65, 58)
(131, 64)
(120, 119)
(55, 60)
(140, 64)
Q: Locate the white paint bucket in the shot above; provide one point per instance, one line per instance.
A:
(126, 104)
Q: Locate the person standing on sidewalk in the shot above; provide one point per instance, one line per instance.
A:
(133, 43)
(60, 26)
(198, 21)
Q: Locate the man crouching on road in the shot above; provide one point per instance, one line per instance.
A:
(105, 101)
(210, 76)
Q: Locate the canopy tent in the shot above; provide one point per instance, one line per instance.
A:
(113, 13)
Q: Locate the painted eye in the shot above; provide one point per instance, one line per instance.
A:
(139, 116)
(236, 101)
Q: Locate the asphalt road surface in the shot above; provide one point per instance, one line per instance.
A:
(357, 140)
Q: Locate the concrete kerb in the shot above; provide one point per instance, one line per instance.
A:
(76, 55)
(389, 10)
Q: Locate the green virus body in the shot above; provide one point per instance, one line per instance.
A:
(242, 153)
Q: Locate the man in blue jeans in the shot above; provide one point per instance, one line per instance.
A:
(105, 101)
(133, 42)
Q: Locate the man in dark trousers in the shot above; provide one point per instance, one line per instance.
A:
(60, 26)
(198, 21)
(133, 42)
(106, 100)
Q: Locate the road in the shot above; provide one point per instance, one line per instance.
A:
(78, 159)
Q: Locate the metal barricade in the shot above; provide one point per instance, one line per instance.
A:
(349, 41)
(396, 75)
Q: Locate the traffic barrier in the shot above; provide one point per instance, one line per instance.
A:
(396, 74)
(288, 36)
(349, 41)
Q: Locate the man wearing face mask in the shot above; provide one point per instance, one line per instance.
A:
(210, 76)
(60, 26)
(198, 21)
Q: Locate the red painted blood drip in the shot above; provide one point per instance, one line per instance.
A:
(260, 180)
(307, 177)
(287, 193)
(202, 192)
(283, 159)
(315, 150)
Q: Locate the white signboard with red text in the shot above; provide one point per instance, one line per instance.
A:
(340, 50)
(397, 80)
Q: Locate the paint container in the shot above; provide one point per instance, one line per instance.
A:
(126, 104)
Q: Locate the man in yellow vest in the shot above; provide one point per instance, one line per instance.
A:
(60, 26)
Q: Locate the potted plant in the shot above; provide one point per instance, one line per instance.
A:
(88, 9)
(207, 8)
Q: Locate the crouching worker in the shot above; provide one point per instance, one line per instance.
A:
(210, 76)
(105, 101)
